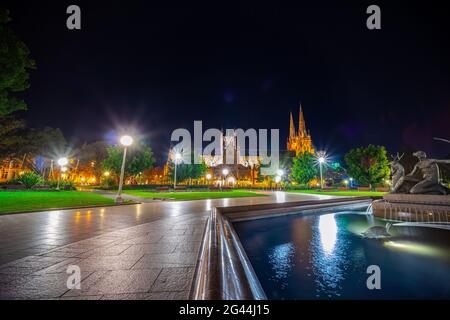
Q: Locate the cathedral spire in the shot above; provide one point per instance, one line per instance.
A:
(291, 127)
(301, 123)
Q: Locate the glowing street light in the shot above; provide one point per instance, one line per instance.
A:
(106, 173)
(225, 173)
(62, 162)
(280, 172)
(208, 176)
(126, 141)
(277, 179)
(321, 159)
(177, 158)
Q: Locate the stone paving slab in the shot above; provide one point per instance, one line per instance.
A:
(146, 251)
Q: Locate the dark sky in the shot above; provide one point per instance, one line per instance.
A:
(156, 68)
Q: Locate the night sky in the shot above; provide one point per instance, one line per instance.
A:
(160, 68)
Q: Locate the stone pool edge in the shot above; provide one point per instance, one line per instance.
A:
(223, 270)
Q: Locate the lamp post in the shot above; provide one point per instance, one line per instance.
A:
(351, 182)
(321, 159)
(208, 178)
(279, 177)
(177, 157)
(224, 173)
(61, 162)
(126, 141)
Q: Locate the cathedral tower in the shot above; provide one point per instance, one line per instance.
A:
(301, 141)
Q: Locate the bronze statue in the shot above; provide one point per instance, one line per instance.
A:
(429, 184)
(398, 173)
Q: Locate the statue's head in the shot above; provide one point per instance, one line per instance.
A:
(420, 154)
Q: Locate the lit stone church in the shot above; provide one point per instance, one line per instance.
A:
(299, 141)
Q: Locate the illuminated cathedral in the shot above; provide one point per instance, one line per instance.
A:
(299, 141)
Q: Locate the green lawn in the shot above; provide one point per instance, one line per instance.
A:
(342, 193)
(16, 201)
(194, 195)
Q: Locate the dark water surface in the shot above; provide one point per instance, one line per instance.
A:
(325, 257)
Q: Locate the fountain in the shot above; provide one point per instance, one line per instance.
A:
(413, 200)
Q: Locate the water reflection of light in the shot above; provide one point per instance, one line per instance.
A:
(88, 216)
(176, 208)
(281, 260)
(138, 211)
(280, 196)
(53, 222)
(416, 248)
(77, 217)
(329, 257)
(328, 232)
(208, 204)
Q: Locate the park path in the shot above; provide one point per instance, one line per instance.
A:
(142, 251)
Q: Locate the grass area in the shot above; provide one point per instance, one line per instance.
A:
(343, 193)
(16, 201)
(193, 195)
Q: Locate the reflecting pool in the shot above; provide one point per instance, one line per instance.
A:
(325, 257)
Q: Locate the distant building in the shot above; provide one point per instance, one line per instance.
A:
(9, 169)
(299, 141)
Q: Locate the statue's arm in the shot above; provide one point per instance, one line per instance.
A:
(413, 171)
(442, 161)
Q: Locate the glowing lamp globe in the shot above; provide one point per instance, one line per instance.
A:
(126, 141)
(63, 161)
(225, 172)
(209, 176)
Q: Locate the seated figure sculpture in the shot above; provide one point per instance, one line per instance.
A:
(429, 184)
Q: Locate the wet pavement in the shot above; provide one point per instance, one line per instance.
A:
(142, 251)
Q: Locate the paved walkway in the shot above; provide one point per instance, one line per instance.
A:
(144, 251)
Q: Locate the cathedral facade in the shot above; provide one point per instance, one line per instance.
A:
(300, 140)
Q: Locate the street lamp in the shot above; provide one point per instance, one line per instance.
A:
(208, 177)
(126, 141)
(321, 159)
(61, 162)
(351, 182)
(346, 183)
(224, 173)
(177, 158)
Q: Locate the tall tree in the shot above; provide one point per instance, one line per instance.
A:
(15, 63)
(188, 171)
(368, 166)
(304, 168)
(92, 156)
(139, 158)
(11, 137)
